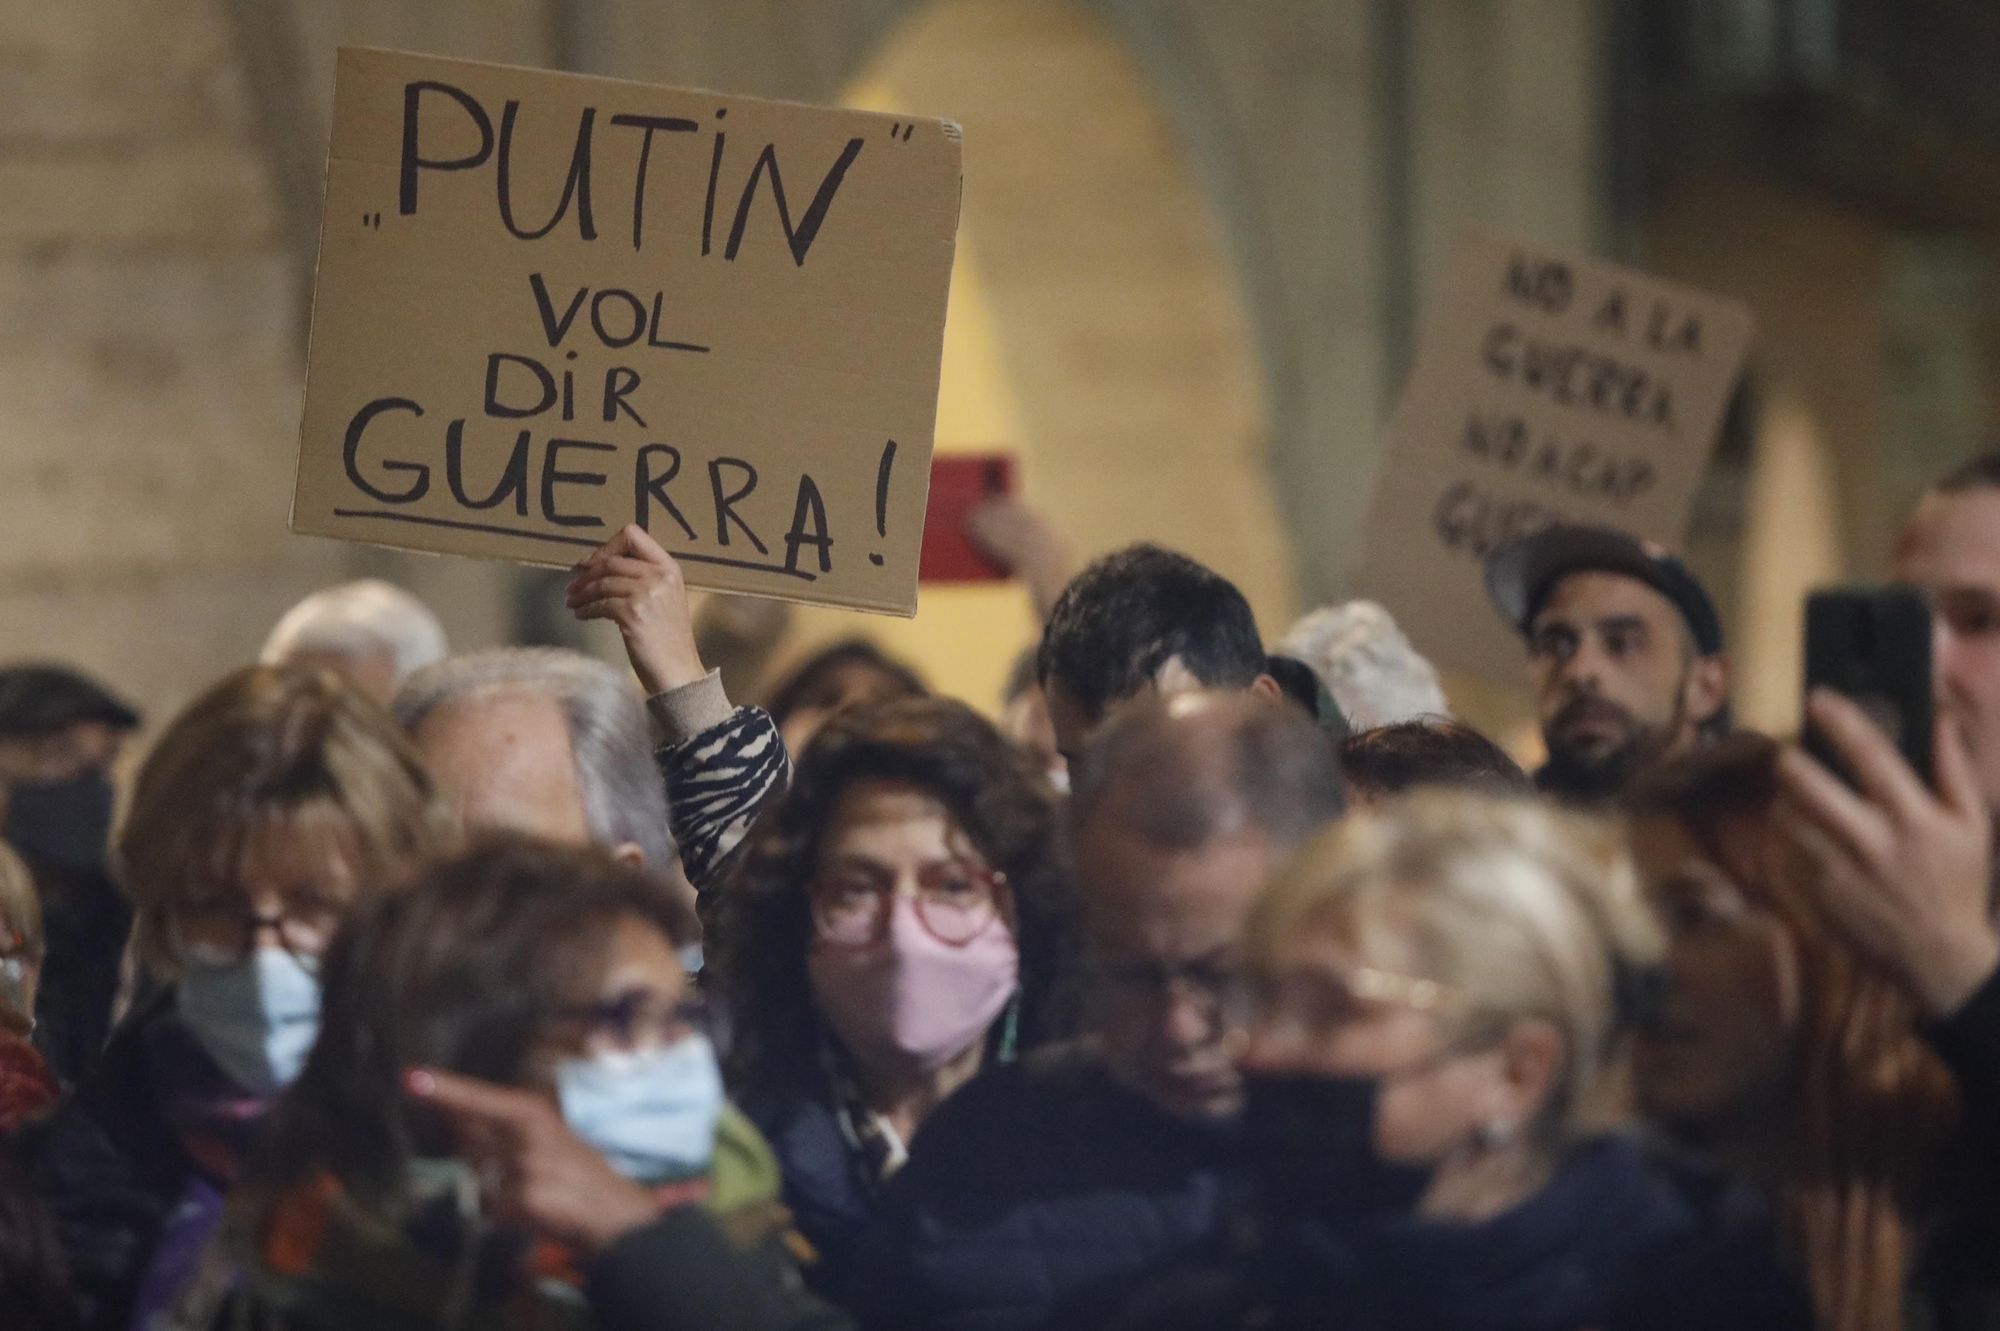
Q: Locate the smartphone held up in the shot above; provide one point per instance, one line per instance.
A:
(1873, 645)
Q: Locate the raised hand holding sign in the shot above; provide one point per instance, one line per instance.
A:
(550, 306)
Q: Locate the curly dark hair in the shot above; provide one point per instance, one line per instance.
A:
(459, 970)
(1000, 799)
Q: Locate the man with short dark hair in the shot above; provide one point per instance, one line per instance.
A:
(1144, 619)
(60, 733)
(1042, 1188)
(1625, 654)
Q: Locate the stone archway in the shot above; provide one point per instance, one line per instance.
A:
(1272, 102)
(1096, 327)
(1272, 105)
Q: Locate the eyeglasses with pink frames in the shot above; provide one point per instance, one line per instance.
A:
(955, 902)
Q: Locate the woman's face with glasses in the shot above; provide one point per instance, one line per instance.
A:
(888, 843)
(294, 889)
(1343, 996)
(643, 1000)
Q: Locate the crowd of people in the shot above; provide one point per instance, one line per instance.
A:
(1217, 984)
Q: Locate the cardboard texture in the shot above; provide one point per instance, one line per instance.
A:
(548, 305)
(1547, 388)
(961, 482)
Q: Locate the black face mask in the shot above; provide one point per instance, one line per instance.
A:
(65, 825)
(1311, 1145)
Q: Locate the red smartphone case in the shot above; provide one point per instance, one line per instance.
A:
(960, 482)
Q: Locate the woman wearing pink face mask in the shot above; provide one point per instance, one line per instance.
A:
(899, 923)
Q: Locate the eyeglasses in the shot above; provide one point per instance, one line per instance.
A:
(956, 902)
(222, 933)
(640, 1018)
(1208, 985)
(1319, 1002)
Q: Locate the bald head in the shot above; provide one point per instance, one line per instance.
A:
(1182, 807)
(1180, 772)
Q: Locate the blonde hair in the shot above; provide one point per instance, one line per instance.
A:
(270, 749)
(20, 904)
(1528, 912)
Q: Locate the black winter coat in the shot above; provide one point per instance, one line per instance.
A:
(1956, 1286)
(827, 1184)
(86, 919)
(681, 1272)
(1035, 1193)
(108, 1169)
(1616, 1241)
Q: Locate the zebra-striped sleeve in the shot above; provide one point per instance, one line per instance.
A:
(718, 783)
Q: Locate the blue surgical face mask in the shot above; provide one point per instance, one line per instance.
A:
(256, 1017)
(651, 1113)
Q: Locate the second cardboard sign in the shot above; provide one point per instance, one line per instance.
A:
(1547, 388)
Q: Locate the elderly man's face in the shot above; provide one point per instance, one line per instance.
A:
(503, 760)
(1166, 926)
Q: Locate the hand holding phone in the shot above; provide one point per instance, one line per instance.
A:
(960, 483)
(1902, 850)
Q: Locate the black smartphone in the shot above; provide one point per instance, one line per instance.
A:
(1873, 644)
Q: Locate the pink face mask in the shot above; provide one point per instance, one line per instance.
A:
(910, 998)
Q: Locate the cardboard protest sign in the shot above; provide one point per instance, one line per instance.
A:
(550, 305)
(1547, 388)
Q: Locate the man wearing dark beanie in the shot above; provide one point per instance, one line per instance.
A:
(1624, 654)
(60, 732)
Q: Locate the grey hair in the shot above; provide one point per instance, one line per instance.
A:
(1182, 772)
(1367, 664)
(360, 619)
(624, 796)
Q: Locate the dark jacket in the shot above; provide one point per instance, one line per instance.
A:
(134, 1166)
(683, 1272)
(1956, 1285)
(85, 919)
(1039, 1187)
(827, 1186)
(1617, 1241)
(109, 1168)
